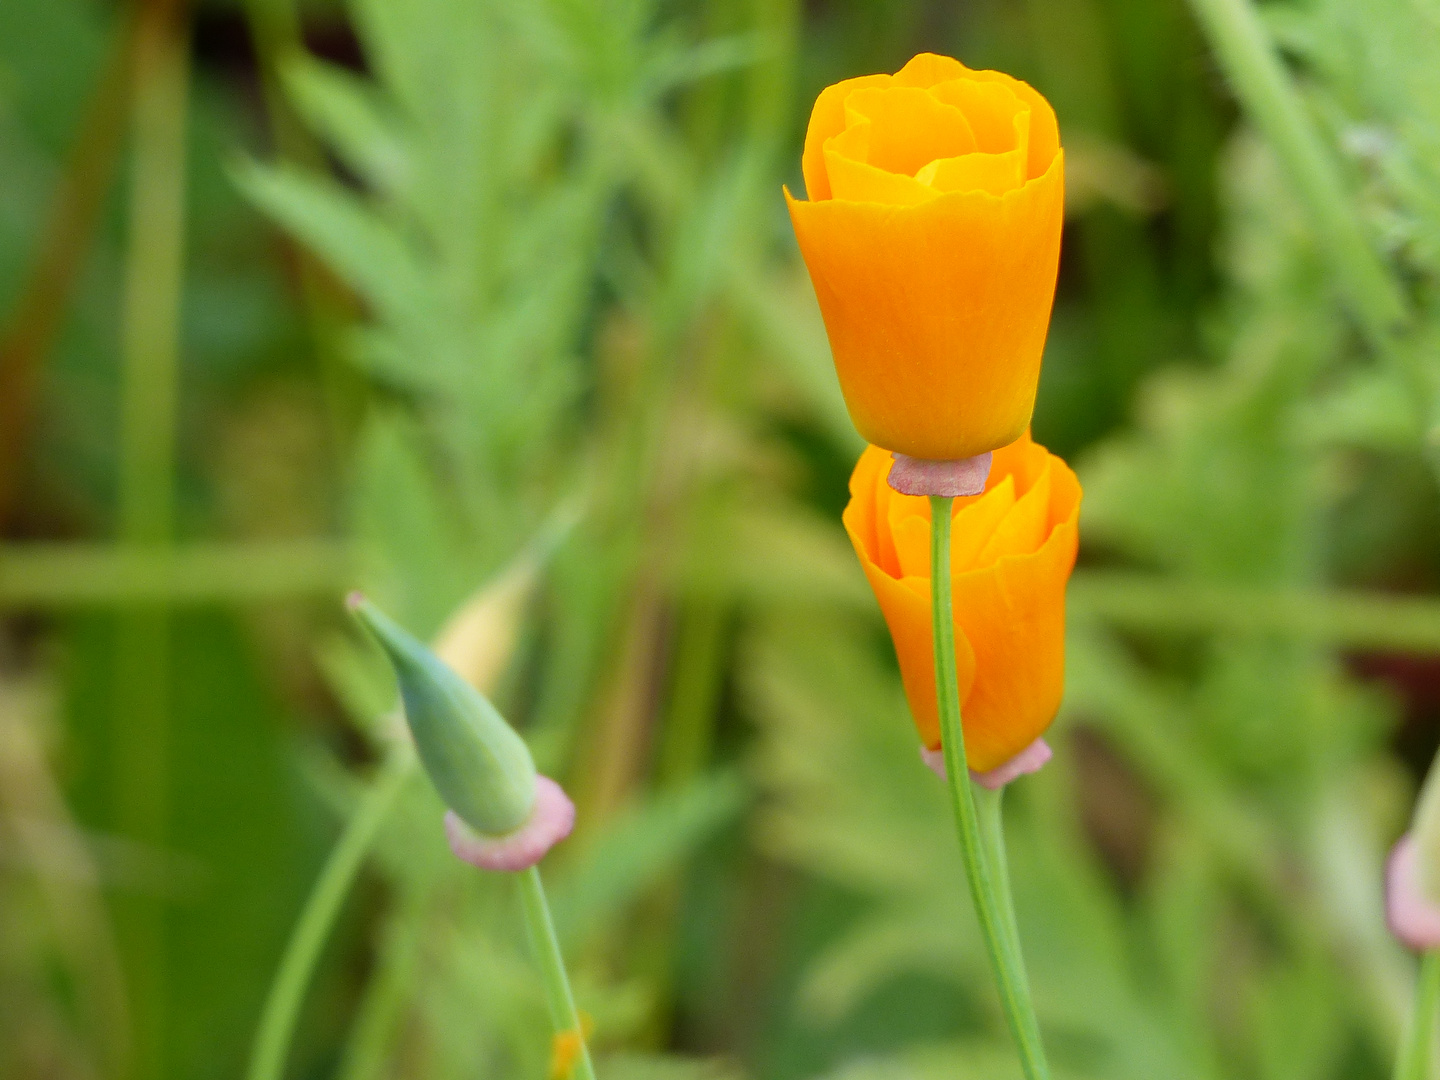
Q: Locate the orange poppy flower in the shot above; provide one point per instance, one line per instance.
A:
(1012, 549)
(932, 236)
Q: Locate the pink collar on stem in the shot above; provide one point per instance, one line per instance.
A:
(921, 476)
(1026, 761)
(1413, 917)
(548, 824)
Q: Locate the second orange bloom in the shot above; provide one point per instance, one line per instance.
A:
(1012, 550)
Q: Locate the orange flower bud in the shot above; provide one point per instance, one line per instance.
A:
(1011, 552)
(932, 235)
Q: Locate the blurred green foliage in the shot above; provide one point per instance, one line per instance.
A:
(482, 292)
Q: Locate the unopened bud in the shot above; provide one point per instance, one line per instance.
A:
(1412, 875)
(479, 765)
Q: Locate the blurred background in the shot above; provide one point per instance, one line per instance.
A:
(493, 309)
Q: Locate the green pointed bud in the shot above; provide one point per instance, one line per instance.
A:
(480, 766)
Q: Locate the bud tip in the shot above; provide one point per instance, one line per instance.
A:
(355, 600)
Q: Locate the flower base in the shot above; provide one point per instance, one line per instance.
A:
(1413, 917)
(549, 823)
(1027, 761)
(920, 476)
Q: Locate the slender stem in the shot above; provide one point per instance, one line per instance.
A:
(292, 977)
(995, 922)
(988, 805)
(150, 356)
(992, 836)
(552, 967)
(154, 274)
(1413, 1061)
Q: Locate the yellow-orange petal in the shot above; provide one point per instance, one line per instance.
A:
(827, 119)
(1025, 528)
(911, 534)
(1013, 614)
(868, 505)
(974, 525)
(1023, 459)
(852, 143)
(992, 109)
(857, 181)
(908, 127)
(1044, 128)
(906, 607)
(1065, 495)
(937, 313)
(926, 69)
(995, 173)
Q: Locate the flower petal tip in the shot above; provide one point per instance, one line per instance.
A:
(920, 476)
(1029, 760)
(549, 823)
(1412, 918)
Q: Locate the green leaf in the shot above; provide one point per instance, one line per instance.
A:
(349, 115)
(366, 251)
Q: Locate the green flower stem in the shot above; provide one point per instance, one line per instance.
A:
(552, 967)
(992, 836)
(153, 284)
(1413, 1061)
(989, 895)
(322, 907)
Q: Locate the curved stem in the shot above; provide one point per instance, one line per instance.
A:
(1413, 1061)
(546, 945)
(292, 977)
(996, 924)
